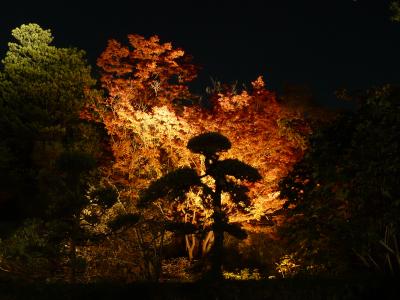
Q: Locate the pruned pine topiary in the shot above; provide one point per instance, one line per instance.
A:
(209, 144)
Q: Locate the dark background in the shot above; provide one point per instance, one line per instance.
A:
(326, 44)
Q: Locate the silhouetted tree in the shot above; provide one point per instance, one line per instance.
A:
(345, 190)
(227, 176)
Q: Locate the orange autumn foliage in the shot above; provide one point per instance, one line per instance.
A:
(251, 121)
(148, 137)
(150, 74)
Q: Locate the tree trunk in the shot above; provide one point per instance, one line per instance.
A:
(190, 240)
(206, 244)
(217, 249)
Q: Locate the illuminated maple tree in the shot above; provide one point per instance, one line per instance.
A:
(141, 84)
(148, 136)
(266, 134)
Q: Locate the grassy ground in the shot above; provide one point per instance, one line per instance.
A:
(311, 288)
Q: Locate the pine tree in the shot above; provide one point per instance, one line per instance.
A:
(42, 90)
(227, 176)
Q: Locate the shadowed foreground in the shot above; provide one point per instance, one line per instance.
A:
(372, 288)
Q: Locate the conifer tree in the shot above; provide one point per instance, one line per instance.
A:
(227, 176)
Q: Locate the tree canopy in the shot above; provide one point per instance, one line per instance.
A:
(42, 89)
(344, 191)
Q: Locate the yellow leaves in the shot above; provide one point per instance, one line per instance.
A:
(231, 103)
(244, 274)
(288, 266)
(176, 54)
(161, 124)
(258, 84)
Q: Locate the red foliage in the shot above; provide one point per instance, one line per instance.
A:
(151, 74)
(148, 138)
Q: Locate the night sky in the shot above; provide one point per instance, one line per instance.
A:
(326, 44)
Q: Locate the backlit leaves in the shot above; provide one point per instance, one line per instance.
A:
(134, 72)
(149, 137)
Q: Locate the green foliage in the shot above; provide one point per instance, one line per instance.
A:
(32, 35)
(42, 89)
(45, 82)
(49, 154)
(344, 192)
